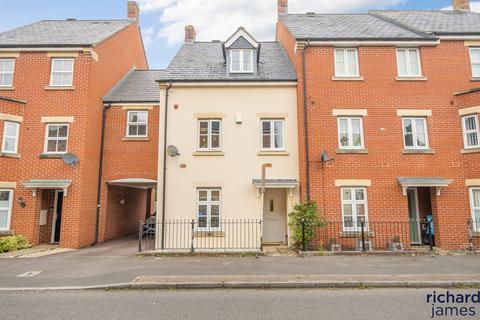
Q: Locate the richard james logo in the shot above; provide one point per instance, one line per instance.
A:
(447, 304)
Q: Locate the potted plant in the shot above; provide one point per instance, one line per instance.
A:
(304, 220)
(335, 246)
(368, 242)
(396, 244)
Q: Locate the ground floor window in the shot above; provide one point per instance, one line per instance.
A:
(475, 204)
(208, 208)
(354, 208)
(5, 209)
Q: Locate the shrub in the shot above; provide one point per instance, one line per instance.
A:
(307, 212)
(13, 243)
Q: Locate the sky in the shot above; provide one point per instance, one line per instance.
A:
(163, 21)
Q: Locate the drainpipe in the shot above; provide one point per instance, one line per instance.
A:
(100, 171)
(305, 117)
(165, 163)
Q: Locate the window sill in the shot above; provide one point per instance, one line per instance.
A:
(468, 151)
(136, 139)
(347, 78)
(208, 154)
(273, 154)
(53, 88)
(209, 234)
(10, 155)
(50, 156)
(6, 233)
(475, 79)
(352, 151)
(418, 151)
(412, 79)
(356, 234)
(7, 88)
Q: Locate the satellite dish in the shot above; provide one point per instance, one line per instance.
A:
(70, 159)
(325, 157)
(172, 151)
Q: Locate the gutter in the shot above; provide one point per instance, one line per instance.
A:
(305, 118)
(100, 171)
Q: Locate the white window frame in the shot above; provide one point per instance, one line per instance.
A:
(242, 64)
(346, 64)
(414, 134)
(474, 62)
(209, 143)
(9, 209)
(16, 137)
(47, 138)
(350, 133)
(476, 222)
(355, 226)
(209, 202)
(409, 73)
(61, 72)
(3, 63)
(128, 135)
(272, 134)
(466, 132)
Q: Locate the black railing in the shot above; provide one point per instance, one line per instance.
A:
(235, 235)
(474, 234)
(361, 235)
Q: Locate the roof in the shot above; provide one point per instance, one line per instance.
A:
(436, 21)
(424, 182)
(136, 86)
(62, 33)
(347, 27)
(204, 61)
(12, 100)
(275, 182)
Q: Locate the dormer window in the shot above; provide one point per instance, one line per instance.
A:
(241, 61)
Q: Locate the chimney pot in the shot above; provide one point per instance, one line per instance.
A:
(461, 5)
(133, 11)
(190, 34)
(282, 7)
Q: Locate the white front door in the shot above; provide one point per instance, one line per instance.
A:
(274, 216)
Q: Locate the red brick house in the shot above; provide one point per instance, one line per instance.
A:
(380, 132)
(53, 75)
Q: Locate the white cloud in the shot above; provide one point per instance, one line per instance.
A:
(217, 19)
(474, 6)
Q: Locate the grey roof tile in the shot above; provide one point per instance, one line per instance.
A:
(436, 21)
(346, 27)
(136, 86)
(62, 33)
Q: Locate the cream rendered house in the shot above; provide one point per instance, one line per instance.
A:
(228, 143)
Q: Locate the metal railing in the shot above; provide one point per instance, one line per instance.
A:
(474, 234)
(361, 235)
(233, 235)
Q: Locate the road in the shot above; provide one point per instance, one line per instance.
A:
(312, 304)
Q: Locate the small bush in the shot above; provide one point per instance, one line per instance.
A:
(13, 243)
(308, 212)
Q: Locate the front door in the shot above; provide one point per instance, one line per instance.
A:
(413, 215)
(274, 216)
(57, 217)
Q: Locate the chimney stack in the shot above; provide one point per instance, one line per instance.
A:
(133, 11)
(461, 5)
(190, 34)
(282, 7)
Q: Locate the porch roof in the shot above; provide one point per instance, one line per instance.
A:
(276, 183)
(47, 184)
(428, 182)
(137, 183)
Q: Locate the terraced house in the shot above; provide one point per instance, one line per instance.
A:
(388, 121)
(53, 75)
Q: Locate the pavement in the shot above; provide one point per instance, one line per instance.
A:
(368, 304)
(115, 264)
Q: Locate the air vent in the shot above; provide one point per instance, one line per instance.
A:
(71, 19)
(216, 41)
(311, 13)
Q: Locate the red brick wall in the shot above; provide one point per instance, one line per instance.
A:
(382, 95)
(92, 80)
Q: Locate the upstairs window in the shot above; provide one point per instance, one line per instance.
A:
(408, 63)
(62, 73)
(350, 133)
(475, 62)
(471, 132)
(56, 138)
(273, 135)
(5, 209)
(7, 67)
(415, 133)
(346, 63)
(241, 61)
(10, 137)
(137, 124)
(209, 133)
